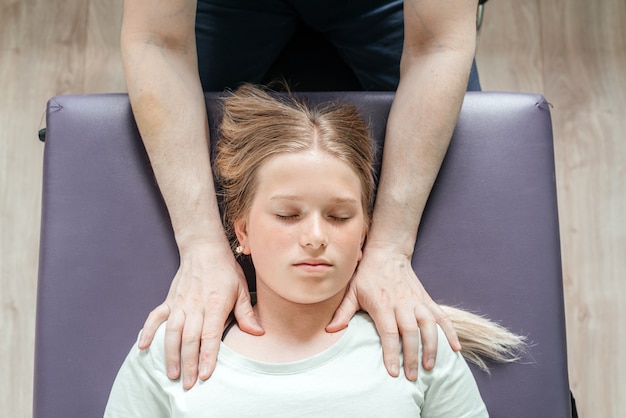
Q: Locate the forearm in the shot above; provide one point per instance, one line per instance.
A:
(419, 129)
(420, 125)
(169, 109)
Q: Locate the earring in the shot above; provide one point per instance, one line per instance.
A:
(239, 250)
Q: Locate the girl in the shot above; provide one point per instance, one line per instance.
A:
(297, 189)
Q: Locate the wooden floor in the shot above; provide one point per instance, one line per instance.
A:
(572, 51)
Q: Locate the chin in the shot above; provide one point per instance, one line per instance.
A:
(311, 297)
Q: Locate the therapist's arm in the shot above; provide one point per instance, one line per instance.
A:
(439, 45)
(160, 64)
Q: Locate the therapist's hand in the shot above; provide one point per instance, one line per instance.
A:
(386, 286)
(208, 285)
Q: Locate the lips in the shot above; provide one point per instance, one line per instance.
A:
(313, 265)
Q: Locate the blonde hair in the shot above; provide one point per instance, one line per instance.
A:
(258, 125)
(483, 339)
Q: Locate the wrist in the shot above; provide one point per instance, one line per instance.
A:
(195, 217)
(201, 238)
(208, 235)
(391, 248)
(396, 237)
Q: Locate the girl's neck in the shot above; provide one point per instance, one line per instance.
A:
(296, 320)
(293, 331)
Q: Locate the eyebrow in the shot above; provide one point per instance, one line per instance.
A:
(297, 198)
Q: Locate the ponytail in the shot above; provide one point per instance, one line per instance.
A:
(483, 339)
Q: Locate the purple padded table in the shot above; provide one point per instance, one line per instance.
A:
(488, 242)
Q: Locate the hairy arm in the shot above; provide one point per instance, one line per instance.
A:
(439, 44)
(160, 64)
(164, 88)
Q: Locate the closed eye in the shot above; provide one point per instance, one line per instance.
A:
(286, 217)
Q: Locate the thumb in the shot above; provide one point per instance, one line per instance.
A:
(346, 310)
(246, 318)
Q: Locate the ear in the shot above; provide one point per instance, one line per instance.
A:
(241, 231)
(363, 236)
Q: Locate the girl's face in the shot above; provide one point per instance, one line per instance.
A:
(306, 226)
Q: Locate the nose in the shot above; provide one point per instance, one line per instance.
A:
(314, 233)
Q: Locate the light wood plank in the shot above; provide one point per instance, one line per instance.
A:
(103, 61)
(509, 56)
(584, 54)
